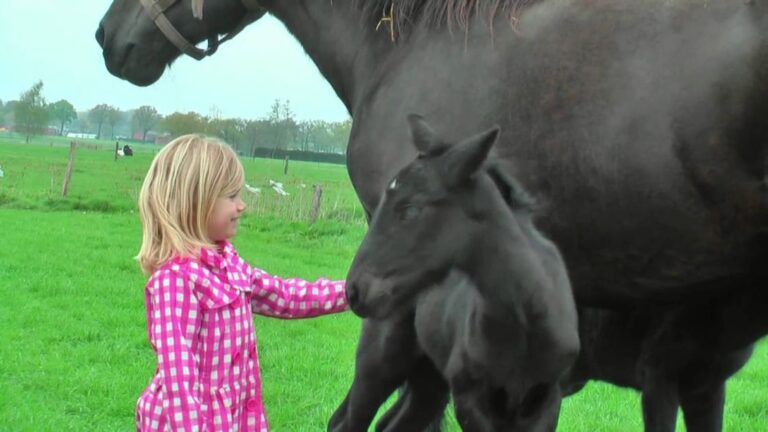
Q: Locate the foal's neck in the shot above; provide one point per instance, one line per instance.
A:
(342, 43)
(507, 272)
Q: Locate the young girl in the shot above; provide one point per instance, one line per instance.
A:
(201, 295)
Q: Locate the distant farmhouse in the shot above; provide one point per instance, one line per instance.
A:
(81, 135)
(49, 130)
(159, 138)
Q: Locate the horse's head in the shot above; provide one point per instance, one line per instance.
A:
(432, 217)
(141, 37)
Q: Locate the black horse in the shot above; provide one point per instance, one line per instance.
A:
(639, 126)
(668, 355)
(415, 235)
(455, 276)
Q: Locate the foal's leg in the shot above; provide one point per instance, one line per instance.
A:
(394, 410)
(385, 356)
(469, 416)
(424, 400)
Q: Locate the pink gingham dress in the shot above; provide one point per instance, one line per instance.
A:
(200, 324)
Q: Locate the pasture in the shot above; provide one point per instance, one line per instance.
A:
(74, 352)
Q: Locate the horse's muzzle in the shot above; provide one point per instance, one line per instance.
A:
(100, 36)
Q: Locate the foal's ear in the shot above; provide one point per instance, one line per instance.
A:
(464, 159)
(422, 134)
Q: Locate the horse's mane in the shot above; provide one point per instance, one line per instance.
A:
(400, 15)
(403, 13)
(511, 190)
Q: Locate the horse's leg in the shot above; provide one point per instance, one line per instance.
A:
(385, 355)
(660, 402)
(702, 388)
(703, 408)
(663, 356)
(424, 400)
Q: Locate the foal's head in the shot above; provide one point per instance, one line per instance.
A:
(439, 212)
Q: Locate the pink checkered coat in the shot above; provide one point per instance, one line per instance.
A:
(200, 324)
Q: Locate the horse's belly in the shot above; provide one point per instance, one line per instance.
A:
(630, 260)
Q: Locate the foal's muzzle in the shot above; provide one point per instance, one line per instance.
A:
(353, 296)
(370, 296)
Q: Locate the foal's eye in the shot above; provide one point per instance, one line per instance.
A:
(409, 213)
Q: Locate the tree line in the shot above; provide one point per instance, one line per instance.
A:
(278, 130)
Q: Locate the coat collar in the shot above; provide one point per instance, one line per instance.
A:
(218, 257)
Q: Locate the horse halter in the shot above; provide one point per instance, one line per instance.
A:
(156, 10)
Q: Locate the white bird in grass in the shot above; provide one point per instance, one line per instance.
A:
(278, 187)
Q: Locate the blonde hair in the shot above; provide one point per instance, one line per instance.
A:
(178, 196)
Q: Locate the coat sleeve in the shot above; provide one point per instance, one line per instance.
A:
(295, 298)
(175, 320)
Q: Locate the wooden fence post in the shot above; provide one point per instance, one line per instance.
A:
(285, 169)
(117, 147)
(316, 204)
(70, 166)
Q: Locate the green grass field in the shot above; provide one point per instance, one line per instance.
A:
(74, 354)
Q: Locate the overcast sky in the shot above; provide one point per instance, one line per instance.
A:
(53, 41)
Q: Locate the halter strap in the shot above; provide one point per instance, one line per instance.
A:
(156, 10)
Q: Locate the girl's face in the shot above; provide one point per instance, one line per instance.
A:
(225, 217)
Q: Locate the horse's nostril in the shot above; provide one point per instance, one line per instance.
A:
(100, 35)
